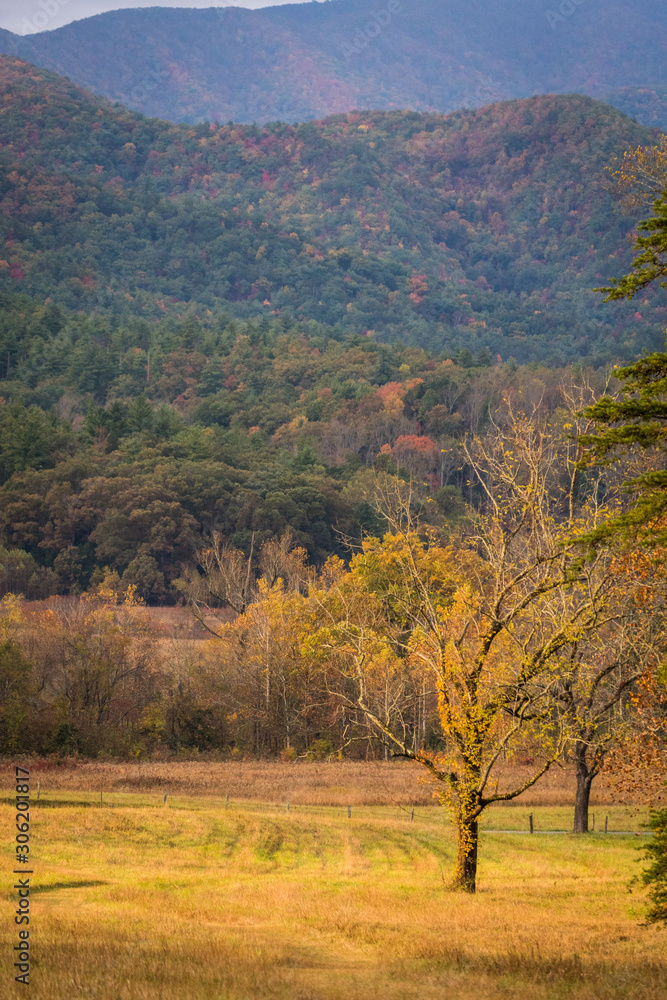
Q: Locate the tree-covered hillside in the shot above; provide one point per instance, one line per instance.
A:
(298, 61)
(234, 329)
(125, 443)
(483, 229)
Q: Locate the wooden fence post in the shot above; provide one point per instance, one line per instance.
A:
(530, 820)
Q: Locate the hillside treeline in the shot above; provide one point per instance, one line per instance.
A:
(479, 229)
(123, 448)
(232, 328)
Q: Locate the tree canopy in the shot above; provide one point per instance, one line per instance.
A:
(636, 418)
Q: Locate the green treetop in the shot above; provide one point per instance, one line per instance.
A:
(638, 416)
(651, 264)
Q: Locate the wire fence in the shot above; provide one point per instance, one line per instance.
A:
(435, 814)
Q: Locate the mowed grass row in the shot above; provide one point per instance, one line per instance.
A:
(195, 901)
(620, 818)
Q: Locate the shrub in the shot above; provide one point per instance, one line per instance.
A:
(655, 876)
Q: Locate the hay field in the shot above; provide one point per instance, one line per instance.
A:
(301, 782)
(195, 901)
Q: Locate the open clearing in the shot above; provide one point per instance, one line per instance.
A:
(136, 900)
(323, 783)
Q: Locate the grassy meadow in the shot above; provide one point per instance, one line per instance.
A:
(194, 900)
(324, 783)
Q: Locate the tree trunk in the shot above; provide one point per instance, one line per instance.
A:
(466, 861)
(584, 782)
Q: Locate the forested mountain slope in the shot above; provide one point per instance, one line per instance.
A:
(483, 229)
(302, 61)
(234, 328)
(124, 444)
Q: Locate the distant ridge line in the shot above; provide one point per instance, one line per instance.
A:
(296, 62)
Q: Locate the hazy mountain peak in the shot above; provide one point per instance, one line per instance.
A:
(301, 61)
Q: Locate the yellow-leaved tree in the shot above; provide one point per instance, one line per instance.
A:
(495, 624)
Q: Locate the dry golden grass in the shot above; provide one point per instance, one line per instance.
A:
(302, 782)
(193, 901)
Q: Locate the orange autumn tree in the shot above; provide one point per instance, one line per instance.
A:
(257, 612)
(275, 690)
(639, 178)
(490, 623)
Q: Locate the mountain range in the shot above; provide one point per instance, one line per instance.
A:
(484, 228)
(229, 327)
(303, 61)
